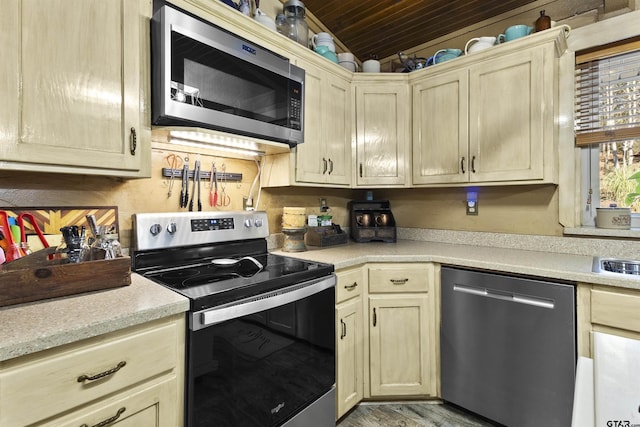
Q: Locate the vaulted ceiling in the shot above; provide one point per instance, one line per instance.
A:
(382, 27)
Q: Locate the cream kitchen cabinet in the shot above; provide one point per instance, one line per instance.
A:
(133, 377)
(401, 317)
(489, 117)
(382, 130)
(606, 309)
(324, 158)
(349, 339)
(325, 155)
(74, 87)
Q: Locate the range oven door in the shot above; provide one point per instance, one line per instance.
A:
(204, 76)
(262, 362)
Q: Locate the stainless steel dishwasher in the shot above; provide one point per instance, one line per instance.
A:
(508, 347)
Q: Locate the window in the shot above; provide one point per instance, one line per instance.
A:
(607, 125)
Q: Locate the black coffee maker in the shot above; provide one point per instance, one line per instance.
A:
(372, 220)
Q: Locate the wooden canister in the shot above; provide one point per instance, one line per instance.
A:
(293, 218)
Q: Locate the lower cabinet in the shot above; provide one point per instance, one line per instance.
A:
(401, 330)
(349, 339)
(398, 345)
(606, 309)
(391, 351)
(132, 377)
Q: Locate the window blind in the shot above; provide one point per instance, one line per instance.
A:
(608, 95)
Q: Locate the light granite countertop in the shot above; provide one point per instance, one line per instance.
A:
(551, 265)
(32, 327)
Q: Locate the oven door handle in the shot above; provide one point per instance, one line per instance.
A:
(260, 303)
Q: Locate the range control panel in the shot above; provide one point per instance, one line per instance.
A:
(173, 229)
(208, 224)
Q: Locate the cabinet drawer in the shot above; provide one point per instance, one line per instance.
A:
(150, 405)
(615, 309)
(54, 382)
(400, 278)
(350, 284)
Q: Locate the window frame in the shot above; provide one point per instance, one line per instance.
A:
(571, 182)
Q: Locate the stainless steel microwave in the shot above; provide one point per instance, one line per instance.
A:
(204, 76)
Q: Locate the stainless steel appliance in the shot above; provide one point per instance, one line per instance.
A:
(207, 77)
(508, 347)
(261, 328)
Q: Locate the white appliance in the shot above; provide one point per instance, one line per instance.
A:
(616, 380)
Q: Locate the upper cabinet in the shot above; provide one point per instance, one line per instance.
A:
(489, 117)
(325, 155)
(75, 86)
(382, 130)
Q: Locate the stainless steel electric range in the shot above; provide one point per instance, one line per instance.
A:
(261, 327)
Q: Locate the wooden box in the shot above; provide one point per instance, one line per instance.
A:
(51, 279)
(325, 236)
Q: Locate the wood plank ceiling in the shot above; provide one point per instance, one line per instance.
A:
(384, 27)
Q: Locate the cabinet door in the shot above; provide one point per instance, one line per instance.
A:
(440, 131)
(382, 132)
(311, 163)
(325, 155)
(80, 90)
(399, 345)
(349, 355)
(508, 103)
(337, 130)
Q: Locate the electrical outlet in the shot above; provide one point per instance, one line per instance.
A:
(472, 203)
(472, 207)
(247, 204)
(323, 205)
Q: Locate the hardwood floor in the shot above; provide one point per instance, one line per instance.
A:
(410, 414)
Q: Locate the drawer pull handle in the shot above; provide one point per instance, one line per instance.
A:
(375, 317)
(398, 281)
(108, 420)
(351, 287)
(344, 329)
(83, 378)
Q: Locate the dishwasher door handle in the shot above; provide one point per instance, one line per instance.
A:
(505, 296)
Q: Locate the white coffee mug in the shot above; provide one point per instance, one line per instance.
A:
(346, 57)
(371, 66)
(349, 65)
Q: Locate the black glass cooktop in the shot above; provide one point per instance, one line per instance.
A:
(218, 281)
